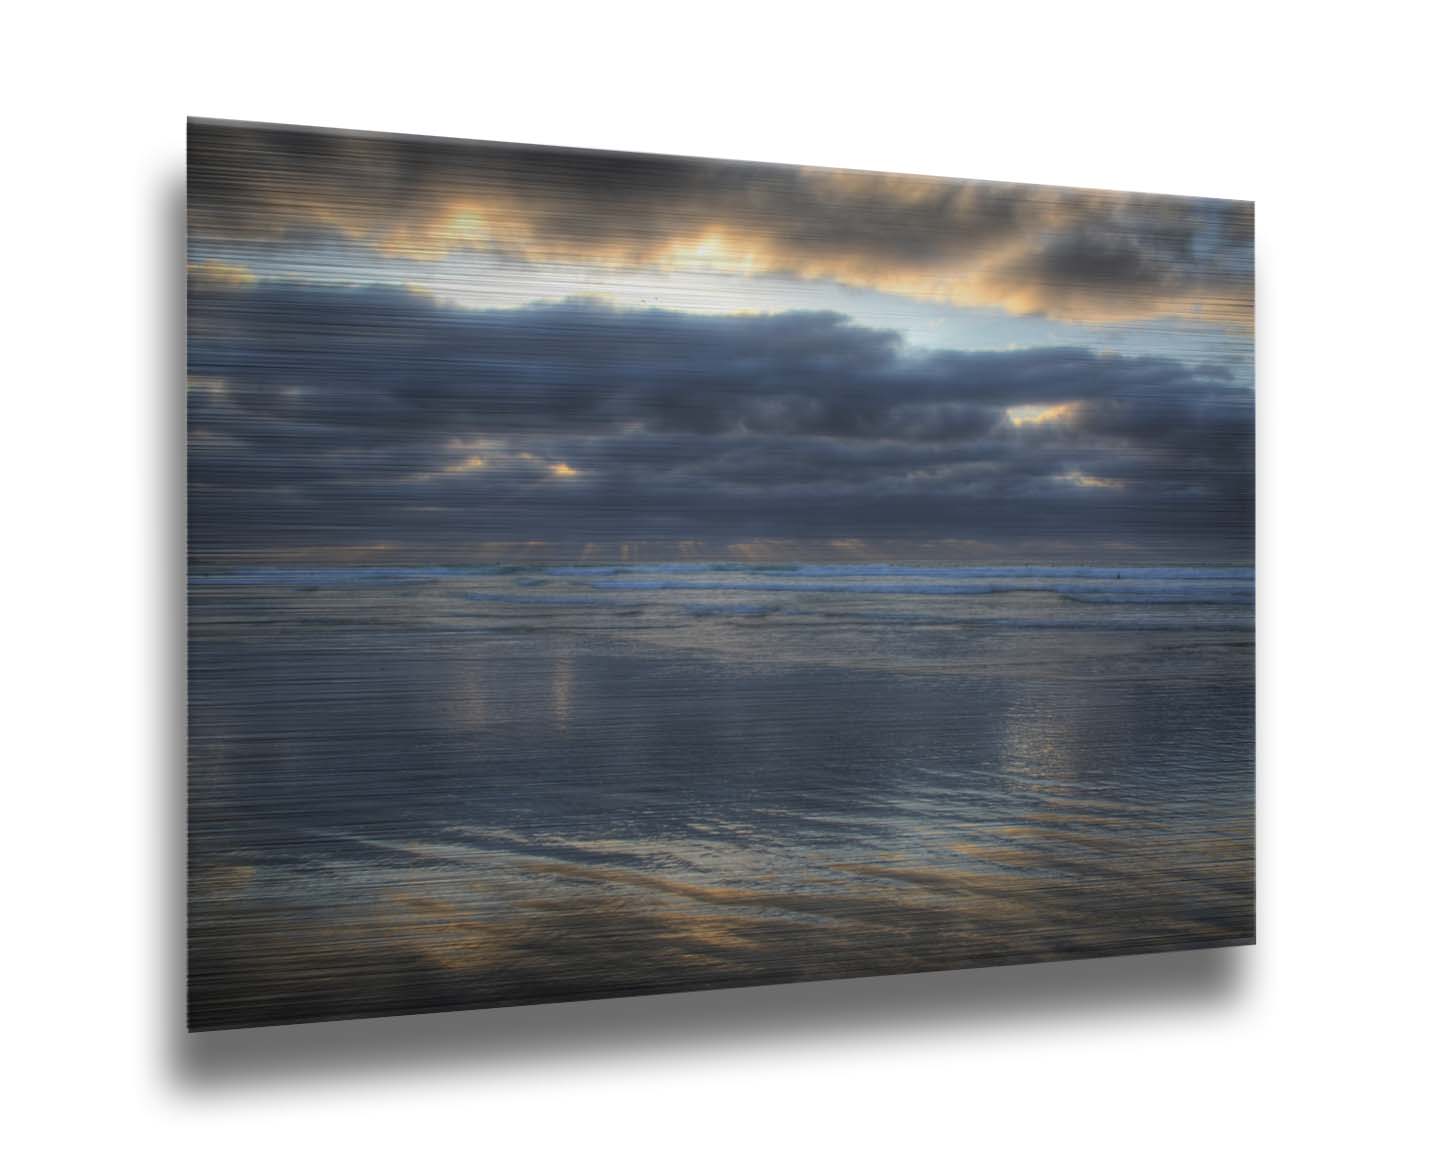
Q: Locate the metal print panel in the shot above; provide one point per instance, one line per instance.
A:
(614, 574)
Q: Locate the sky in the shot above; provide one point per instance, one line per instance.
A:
(408, 350)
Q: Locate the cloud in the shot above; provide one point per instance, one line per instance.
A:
(1067, 253)
(352, 418)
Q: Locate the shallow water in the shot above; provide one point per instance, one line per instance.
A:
(414, 789)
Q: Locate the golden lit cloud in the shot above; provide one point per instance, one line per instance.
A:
(1085, 480)
(217, 273)
(469, 464)
(490, 455)
(1070, 254)
(1027, 415)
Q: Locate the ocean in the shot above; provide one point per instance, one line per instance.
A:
(415, 789)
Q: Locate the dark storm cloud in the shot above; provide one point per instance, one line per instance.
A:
(351, 417)
(1076, 254)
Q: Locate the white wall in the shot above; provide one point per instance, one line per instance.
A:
(1323, 1032)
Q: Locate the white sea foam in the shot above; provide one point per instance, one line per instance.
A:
(844, 571)
(317, 577)
(1097, 591)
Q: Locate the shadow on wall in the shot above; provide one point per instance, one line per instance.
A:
(876, 1008)
(995, 998)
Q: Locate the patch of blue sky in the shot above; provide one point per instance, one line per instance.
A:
(488, 280)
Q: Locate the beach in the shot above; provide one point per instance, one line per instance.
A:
(415, 789)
